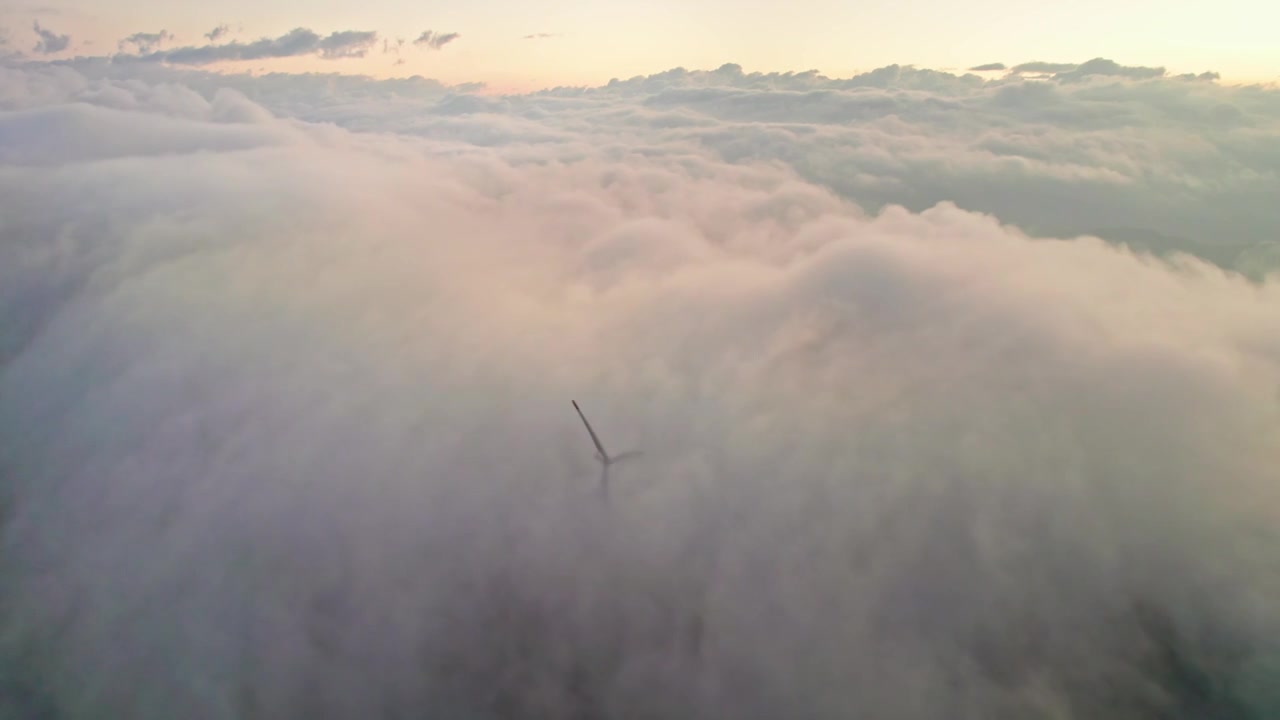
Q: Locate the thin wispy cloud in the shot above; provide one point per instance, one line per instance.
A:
(143, 42)
(989, 67)
(50, 42)
(435, 40)
(540, 36)
(218, 33)
(1040, 67)
(1102, 67)
(296, 43)
(7, 50)
(392, 47)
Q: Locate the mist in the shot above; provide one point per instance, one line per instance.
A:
(285, 431)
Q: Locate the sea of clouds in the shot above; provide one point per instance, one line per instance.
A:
(958, 398)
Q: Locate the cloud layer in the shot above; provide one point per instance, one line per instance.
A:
(285, 426)
(1161, 164)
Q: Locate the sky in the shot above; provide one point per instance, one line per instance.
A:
(518, 46)
(958, 392)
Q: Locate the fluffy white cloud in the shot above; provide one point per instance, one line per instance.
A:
(1162, 164)
(285, 424)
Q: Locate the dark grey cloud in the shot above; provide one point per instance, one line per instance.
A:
(988, 67)
(145, 42)
(49, 42)
(298, 42)
(218, 33)
(435, 40)
(1039, 67)
(284, 418)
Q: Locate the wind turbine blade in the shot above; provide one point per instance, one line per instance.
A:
(604, 456)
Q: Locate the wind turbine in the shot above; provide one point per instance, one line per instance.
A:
(605, 459)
